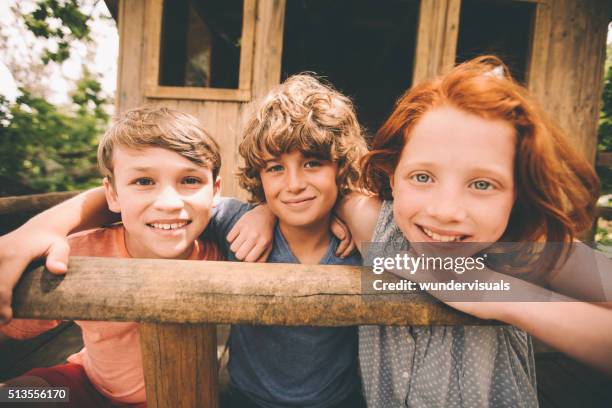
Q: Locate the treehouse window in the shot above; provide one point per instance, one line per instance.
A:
(364, 48)
(499, 27)
(200, 49)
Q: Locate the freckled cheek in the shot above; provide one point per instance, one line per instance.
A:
(492, 217)
(504, 218)
(404, 211)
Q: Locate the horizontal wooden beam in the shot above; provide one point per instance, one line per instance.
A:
(604, 159)
(172, 291)
(605, 213)
(34, 202)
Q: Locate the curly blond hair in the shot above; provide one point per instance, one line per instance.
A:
(159, 127)
(306, 115)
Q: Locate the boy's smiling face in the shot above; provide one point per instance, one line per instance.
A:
(300, 190)
(165, 200)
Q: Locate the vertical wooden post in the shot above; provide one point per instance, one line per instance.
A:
(180, 365)
(566, 66)
(437, 34)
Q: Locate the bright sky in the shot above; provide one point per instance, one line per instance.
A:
(24, 46)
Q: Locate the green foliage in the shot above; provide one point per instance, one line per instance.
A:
(73, 26)
(605, 131)
(46, 148)
(603, 236)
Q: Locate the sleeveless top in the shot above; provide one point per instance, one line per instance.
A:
(443, 366)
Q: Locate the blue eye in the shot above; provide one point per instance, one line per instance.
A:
(482, 185)
(191, 180)
(144, 181)
(421, 178)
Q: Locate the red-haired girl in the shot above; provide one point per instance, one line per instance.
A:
(469, 157)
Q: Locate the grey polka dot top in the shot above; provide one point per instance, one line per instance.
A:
(444, 366)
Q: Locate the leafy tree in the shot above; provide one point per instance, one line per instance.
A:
(48, 148)
(73, 26)
(605, 129)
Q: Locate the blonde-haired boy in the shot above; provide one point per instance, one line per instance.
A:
(161, 174)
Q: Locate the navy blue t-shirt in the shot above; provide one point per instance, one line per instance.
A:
(279, 366)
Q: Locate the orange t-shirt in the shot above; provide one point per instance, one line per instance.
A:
(111, 356)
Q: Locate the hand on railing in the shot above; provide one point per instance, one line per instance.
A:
(18, 249)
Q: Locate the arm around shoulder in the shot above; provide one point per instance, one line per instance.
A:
(45, 235)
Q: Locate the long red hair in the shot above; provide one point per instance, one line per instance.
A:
(556, 186)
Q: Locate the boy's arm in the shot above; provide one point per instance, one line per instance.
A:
(244, 230)
(360, 213)
(45, 235)
(251, 236)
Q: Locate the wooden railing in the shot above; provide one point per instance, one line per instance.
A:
(179, 303)
(33, 203)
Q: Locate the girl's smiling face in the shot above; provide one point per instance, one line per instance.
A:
(454, 180)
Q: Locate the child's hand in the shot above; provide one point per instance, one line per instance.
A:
(251, 237)
(17, 250)
(341, 231)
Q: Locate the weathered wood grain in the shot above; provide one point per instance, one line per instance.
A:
(436, 38)
(566, 65)
(269, 30)
(173, 291)
(34, 202)
(604, 159)
(604, 212)
(131, 70)
(180, 365)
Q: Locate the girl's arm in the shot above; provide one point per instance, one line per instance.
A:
(587, 275)
(579, 329)
(360, 213)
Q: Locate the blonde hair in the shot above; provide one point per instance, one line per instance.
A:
(306, 115)
(159, 127)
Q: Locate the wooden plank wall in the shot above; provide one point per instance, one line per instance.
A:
(221, 118)
(436, 38)
(565, 69)
(566, 65)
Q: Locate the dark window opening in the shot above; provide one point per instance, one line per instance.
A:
(200, 43)
(365, 49)
(499, 27)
